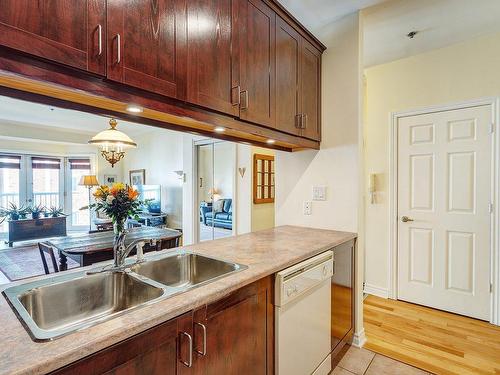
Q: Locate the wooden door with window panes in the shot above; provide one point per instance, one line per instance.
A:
(263, 179)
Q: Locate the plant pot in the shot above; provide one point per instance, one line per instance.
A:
(54, 215)
(14, 217)
(35, 216)
(46, 215)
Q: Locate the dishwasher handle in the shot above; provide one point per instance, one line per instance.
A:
(297, 280)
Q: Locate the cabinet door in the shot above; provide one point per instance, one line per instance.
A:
(310, 78)
(238, 333)
(288, 43)
(65, 31)
(257, 66)
(153, 352)
(147, 45)
(209, 72)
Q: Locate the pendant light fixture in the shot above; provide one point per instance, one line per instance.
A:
(112, 143)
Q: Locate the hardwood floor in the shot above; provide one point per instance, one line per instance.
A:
(433, 340)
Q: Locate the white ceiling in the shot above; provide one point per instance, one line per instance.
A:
(23, 112)
(440, 23)
(315, 14)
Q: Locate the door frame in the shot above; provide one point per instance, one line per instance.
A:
(194, 182)
(394, 117)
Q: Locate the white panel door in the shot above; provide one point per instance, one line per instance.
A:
(444, 190)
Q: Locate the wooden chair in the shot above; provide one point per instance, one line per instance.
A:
(46, 249)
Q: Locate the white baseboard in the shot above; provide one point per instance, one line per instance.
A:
(359, 339)
(376, 291)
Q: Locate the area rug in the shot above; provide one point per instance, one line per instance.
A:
(18, 263)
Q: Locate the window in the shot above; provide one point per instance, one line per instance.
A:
(79, 194)
(263, 179)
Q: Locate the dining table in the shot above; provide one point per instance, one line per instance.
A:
(89, 248)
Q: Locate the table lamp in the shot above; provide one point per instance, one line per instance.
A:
(89, 182)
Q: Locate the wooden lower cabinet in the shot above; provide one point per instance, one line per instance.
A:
(231, 336)
(239, 333)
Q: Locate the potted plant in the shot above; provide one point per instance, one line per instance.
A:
(55, 211)
(12, 212)
(36, 211)
(119, 203)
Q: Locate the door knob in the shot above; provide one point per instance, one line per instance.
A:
(406, 219)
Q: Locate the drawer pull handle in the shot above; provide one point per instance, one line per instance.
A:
(203, 352)
(118, 49)
(189, 363)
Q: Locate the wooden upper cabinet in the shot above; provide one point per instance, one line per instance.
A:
(256, 24)
(210, 59)
(288, 53)
(147, 45)
(310, 91)
(64, 31)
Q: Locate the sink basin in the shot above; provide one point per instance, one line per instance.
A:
(55, 309)
(185, 270)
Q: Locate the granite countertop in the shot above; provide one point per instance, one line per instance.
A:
(264, 252)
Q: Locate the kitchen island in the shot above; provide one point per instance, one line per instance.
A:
(264, 252)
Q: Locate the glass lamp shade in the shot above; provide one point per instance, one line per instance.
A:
(112, 139)
(112, 143)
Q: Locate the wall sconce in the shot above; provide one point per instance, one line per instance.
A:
(181, 175)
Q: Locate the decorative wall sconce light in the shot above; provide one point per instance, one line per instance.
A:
(181, 175)
(112, 143)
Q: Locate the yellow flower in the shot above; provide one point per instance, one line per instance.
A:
(116, 188)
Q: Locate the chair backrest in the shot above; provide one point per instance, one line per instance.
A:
(45, 248)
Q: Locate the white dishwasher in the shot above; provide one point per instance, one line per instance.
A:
(303, 317)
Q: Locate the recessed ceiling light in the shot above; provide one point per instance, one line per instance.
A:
(219, 129)
(134, 108)
(270, 141)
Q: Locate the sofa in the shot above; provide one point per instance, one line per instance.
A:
(222, 218)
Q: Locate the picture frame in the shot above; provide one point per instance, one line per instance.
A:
(110, 179)
(137, 177)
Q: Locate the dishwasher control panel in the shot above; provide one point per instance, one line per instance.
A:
(303, 277)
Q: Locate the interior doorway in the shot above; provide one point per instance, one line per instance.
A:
(445, 199)
(215, 171)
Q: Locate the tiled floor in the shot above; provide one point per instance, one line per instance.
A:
(365, 362)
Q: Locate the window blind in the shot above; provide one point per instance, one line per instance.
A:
(79, 164)
(10, 161)
(45, 163)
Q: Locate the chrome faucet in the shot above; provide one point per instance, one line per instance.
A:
(120, 252)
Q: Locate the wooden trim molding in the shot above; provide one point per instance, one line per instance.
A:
(29, 78)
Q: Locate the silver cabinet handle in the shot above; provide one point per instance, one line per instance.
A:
(99, 40)
(189, 363)
(203, 352)
(238, 95)
(406, 219)
(304, 121)
(118, 49)
(245, 96)
(298, 121)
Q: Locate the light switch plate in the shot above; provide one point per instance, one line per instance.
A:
(307, 208)
(319, 193)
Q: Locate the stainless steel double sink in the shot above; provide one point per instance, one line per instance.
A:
(53, 307)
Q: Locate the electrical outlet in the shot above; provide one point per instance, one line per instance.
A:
(307, 208)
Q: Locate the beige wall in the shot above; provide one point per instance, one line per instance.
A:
(461, 72)
(159, 152)
(262, 214)
(336, 165)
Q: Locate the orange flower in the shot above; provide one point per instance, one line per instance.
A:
(116, 188)
(132, 194)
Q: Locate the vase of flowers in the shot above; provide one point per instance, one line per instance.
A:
(118, 202)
